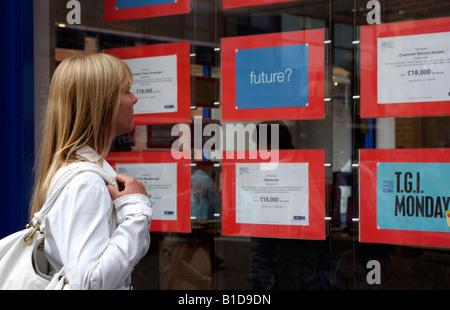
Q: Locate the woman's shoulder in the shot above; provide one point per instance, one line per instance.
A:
(89, 172)
(89, 179)
(85, 192)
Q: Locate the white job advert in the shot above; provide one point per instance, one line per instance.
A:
(160, 181)
(279, 196)
(414, 68)
(154, 84)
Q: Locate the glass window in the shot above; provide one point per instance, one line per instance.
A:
(301, 223)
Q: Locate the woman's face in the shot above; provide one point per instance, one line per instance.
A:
(124, 120)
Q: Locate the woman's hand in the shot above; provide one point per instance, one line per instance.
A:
(127, 186)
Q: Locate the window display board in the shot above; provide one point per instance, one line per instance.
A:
(273, 76)
(161, 81)
(284, 199)
(229, 4)
(168, 183)
(405, 68)
(405, 196)
(134, 9)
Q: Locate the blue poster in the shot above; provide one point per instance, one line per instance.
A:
(127, 4)
(413, 196)
(272, 77)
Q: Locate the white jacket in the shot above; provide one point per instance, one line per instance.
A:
(99, 241)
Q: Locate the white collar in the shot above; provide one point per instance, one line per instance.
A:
(88, 153)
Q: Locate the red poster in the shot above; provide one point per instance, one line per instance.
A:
(404, 68)
(260, 84)
(158, 70)
(168, 183)
(132, 9)
(229, 4)
(284, 199)
(404, 196)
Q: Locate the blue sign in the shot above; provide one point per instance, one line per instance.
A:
(127, 4)
(413, 196)
(272, 77)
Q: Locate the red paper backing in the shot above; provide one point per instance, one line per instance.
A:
(182, 50)
(183, 222)
(112, 14)
(229, 4)
(316, 227)
(315, 108)
(369, 101)
(368, 231)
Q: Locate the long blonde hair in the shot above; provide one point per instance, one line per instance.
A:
(82, 107)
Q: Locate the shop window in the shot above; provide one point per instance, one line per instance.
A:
(338, 143)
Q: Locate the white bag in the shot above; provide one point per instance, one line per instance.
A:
(23, 265)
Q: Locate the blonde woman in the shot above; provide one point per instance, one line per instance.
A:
(98, 232)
